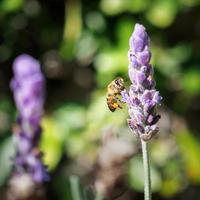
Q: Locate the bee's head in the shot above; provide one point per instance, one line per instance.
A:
(119, 83)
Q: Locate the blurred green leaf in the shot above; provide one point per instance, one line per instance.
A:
(10, 5)
(76, 144)
(161, 152)
(72, 28)
(113, 7)
(51, 143)
(7, 152)
(70, 116)
(136, 175)
(162, 13)
(70, 188)
(7, 115)
(191, 81)
(95, 21)
(169, 60)
(137, 6)
(89, 42)
(75, 188)
(109, 64)
(78, 192)
(125, 26)
(189, 147)
(190, 3)
(170, 187)
(173, 179)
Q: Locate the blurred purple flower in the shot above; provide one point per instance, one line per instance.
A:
(28, 86)
(142, 97)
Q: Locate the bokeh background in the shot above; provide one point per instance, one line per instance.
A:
(82, 45)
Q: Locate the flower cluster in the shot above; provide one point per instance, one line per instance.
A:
(142, 97)
(28, 86)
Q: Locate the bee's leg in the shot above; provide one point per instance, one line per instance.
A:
(119, 103)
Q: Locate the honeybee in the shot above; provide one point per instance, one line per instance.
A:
(114, 90)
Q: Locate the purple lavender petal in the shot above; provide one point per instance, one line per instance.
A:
(125, 96)
(143, 97)
(137, 44)
(137, 115)
(133, 60)
(25, 65)
(131, 73)
(144, 57)
(157, 98)
(140, 32)
(140, 77)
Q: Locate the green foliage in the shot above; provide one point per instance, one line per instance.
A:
(73, 189)
(10, 5)
(162, 13)
(191, 81)
(136, 175)
(7, 152)
(189, 148)
(52, 143)
(116, 7)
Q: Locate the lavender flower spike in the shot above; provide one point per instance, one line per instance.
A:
(28, 86)
(142, 98)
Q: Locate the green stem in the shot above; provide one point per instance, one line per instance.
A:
(147, 175)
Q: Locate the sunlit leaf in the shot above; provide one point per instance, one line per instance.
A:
(162, 13)
(51, 143)
(189, 147)
(113, 7)
(72, 28)
(170, 187)
(137, 5)
(10, 5)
